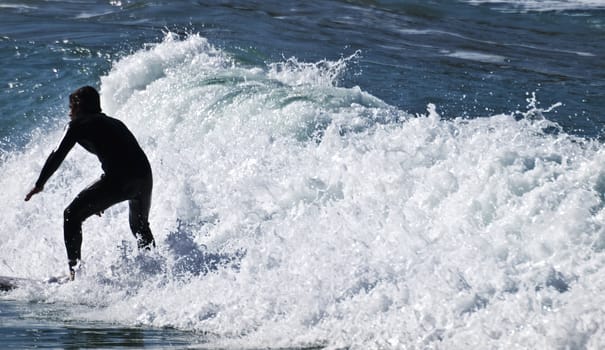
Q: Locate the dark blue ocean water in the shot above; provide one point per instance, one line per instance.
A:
(42, 326)
(393, 169)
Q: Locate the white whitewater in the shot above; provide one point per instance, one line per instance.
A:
(289, 211)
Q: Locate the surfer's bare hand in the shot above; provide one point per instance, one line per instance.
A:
(33, 191)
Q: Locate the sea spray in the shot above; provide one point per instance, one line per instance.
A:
(290, 211)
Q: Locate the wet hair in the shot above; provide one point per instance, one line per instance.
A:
(87, 99)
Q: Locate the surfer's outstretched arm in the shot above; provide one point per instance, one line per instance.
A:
(33, 191)
(53, 161)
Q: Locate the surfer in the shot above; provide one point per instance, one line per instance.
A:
(126, 172)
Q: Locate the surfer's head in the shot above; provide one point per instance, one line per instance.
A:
(84, 100)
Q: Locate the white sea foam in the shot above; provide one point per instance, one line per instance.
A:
(290, 212)
(478, 56)
(18, 6)
(546, 5)
(89, 15)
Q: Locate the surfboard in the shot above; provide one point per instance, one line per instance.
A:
(8, 283)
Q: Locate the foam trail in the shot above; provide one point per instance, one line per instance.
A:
(292, 212)
(546, 5)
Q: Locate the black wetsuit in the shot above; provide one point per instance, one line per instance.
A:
(127, 176)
